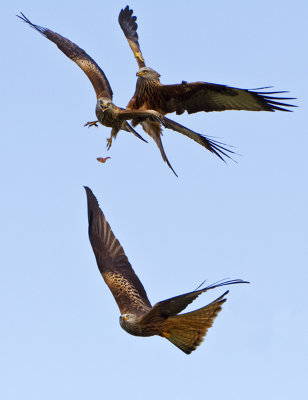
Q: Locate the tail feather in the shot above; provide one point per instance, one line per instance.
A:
(187, 331)
(154, 130)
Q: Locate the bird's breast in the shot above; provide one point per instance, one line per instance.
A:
(106, 118)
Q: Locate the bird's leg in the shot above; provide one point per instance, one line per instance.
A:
(114, 133)
(109, 143)
(93, 123)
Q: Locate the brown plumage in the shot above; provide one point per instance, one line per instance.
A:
(138, 317)
(191, 97)
(107, 112)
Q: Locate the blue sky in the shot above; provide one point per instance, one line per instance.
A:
(60, 335)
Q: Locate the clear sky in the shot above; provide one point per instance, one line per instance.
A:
(60, 337)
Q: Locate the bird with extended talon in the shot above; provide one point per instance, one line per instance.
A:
(108, 114)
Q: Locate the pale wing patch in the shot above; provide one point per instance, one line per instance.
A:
(242, 101)
(126, 295)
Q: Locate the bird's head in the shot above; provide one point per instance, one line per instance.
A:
(148, 73)
(104, 104)
(126, 319)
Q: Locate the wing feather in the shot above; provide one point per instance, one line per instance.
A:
(212, 145)
(129, 26)
(202, 96)
(79, 56)
(113, 264)
(174, 305)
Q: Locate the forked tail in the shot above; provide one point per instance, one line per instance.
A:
(186, 331)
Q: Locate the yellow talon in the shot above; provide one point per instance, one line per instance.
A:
(109, 143)
(93, 123)
(166, 334)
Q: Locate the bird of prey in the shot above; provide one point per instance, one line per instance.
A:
(191, 97)
(138, 317)
(107, 112)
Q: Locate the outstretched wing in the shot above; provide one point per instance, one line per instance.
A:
(212, 145)
(79, 56)
(113, 263)
(202, 96)
(174, 305)
(129, 26)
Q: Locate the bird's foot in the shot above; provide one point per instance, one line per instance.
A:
(93, 123)
(109, 143)
(158, 117)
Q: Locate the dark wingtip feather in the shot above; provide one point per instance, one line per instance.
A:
(128, 23)
(90, 195)
(219, 149)
(92, 202)
(36, 27)
(224, 282)
(274, 103)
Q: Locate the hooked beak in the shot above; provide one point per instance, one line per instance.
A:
(139, 73)
(103, 107)
(124, 317)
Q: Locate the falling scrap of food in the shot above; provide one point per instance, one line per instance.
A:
(102, 159)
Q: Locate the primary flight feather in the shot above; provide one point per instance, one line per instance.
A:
(138, 316)
(192, 97)
(107, 112)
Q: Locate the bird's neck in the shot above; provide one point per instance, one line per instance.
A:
(145, 89)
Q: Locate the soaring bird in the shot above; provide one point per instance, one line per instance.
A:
(107, 112)
(191, 97)
(138, 317)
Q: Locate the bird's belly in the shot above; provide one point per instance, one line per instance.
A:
(106, 118)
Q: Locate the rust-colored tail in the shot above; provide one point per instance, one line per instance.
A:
(186, 331)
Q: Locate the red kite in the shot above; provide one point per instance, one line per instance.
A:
(191, 97)
(107, 112)
(138, 317)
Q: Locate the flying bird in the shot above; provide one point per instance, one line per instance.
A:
(138, 317)
(191, 97)
(108, 114)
